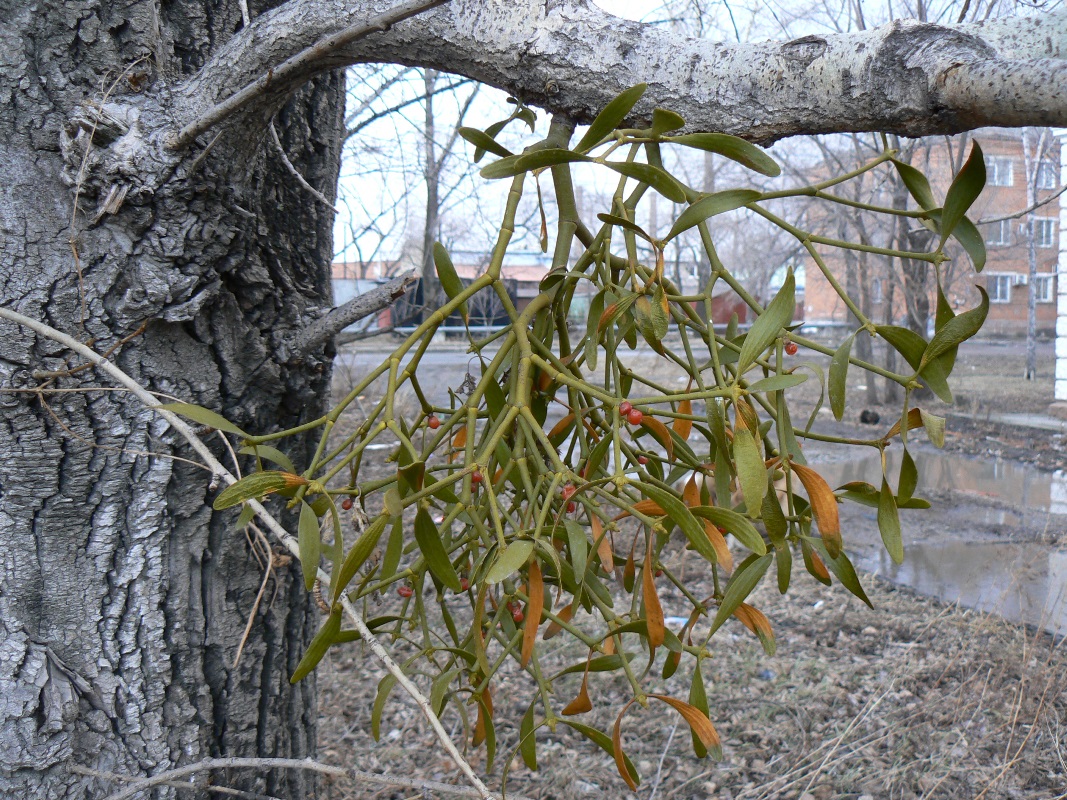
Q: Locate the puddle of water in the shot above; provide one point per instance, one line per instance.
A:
(1023, 583)
(1016, 483)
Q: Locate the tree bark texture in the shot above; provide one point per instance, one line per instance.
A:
(570, 57)
(122, 596)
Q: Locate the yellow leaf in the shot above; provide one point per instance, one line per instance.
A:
(683, 427)
(653, 609)
(823, 507)
(718, 541)
(659, 430)
(698, 723)
(534, 608)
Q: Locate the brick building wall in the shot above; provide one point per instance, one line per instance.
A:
(1005, 276)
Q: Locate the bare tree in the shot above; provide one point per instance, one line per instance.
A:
(145, 209)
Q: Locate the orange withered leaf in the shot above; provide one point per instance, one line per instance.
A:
(534, 608)
(718, 542)
(823, 507)
(653, 608)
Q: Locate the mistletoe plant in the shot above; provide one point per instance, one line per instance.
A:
(525, 531)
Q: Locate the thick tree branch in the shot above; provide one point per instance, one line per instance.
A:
(908, 78)
(361, 307)
(297, 69)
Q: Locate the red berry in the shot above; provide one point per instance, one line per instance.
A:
(346, 504)
(517, 615)
(405, 591)
(464, 584)
(791, 348)
(659, 572)
(571, 506)
(568, 491)
(476, 477)
(433, 422)
(635, 416)
(642, 460)
(624, 408)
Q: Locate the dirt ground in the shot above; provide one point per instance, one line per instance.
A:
(913, 699)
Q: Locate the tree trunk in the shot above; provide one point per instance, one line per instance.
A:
(124, 598)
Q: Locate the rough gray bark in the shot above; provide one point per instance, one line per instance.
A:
(570, 57)
(123, 598)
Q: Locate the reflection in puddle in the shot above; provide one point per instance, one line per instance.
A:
(1024, 583)
(997, 478)
(1021, 582)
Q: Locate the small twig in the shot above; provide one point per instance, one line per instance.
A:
(114, 776)
(270, 522)
(662, 758)
(284, 763)
(296, 173)
(358, 336)
(297, 66)
(1025, 211)
(64, 373)
(336, 320)
(268, 570)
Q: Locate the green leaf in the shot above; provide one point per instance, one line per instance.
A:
(889, 523)
(358, 555)
(768, 326)
(917, 184)
(709, 206)
(433, 550)
(608, 119)
(664, 121)
(385, 686)
(965, 188)
(732, 522)
(483, 141)
(843, 569)
(592, 327)
(577, 545)
(912, 346)
(909, 477)
(203, 416)
(777, 383)
(318, 647)
(741, 584)
(393, 549)
(698, 699)
(310, 544)
(538, 159)
(622, 222)
(246, 516)
(659, 179)
(935, 428)
(446, 273)
(272, 454)
(527, 740)
(751, 471)
(681, 516)
(603, 741)
(972, 241)
(598, 664)
(733, 148)
(258, 484)
(439, 689)
(956, 330)
(838, 383)
(508, 562)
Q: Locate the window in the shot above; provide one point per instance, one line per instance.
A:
(876, 290)
(1047, 175)
(999, 233)
(1043, 285)
(999, 288)
(1045, 231)
(998, 171)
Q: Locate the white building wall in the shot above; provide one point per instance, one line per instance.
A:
(1061, 283)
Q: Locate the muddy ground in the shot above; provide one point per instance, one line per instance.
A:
(913, 699)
